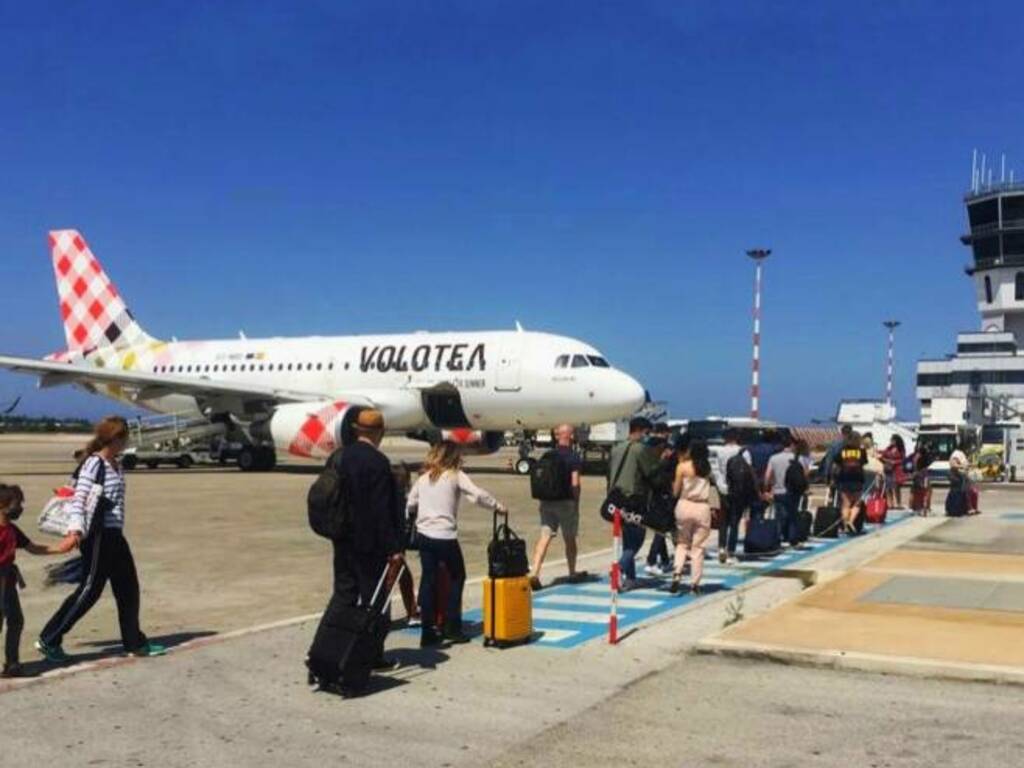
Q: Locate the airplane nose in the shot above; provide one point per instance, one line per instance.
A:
(629, 394)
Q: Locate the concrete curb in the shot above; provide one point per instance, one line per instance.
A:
(908, 666)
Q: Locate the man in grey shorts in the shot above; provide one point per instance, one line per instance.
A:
(561, 515)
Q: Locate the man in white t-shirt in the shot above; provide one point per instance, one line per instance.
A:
(775, 479)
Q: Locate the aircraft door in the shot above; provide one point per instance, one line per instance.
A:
(508, 377)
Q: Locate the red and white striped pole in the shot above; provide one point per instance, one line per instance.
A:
(892, 325)
(758, 255)
(615, 577)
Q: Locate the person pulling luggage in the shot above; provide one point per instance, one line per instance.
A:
(849, 478)
(435, 499)
(344, 653)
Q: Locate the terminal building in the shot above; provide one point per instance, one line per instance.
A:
(983, 383)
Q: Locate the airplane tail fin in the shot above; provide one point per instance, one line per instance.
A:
(93, 312)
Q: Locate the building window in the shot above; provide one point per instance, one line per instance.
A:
(1018, 287)
(988, 289)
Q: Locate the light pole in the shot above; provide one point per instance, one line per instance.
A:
(891, 325)
(758, 255)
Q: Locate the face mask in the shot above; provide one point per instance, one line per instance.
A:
(14, 513)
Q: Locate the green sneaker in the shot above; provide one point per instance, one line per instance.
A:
(52, 653)
(148, 649)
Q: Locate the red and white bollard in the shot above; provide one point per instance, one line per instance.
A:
(615, 577)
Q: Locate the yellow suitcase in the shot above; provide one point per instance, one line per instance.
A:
(508, 611)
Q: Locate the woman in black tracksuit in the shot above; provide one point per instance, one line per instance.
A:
(97, 519)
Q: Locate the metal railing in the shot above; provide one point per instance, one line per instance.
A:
(983, 190)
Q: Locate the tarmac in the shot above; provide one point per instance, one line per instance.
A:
(233, 689)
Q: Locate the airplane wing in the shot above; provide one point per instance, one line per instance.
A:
(146, 386)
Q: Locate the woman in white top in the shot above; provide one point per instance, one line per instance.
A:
(692, 487)
(434, 500)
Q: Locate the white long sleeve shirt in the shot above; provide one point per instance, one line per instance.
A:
(437, 503)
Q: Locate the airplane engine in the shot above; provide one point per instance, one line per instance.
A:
(312, 430)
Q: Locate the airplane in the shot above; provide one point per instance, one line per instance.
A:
(299, 395)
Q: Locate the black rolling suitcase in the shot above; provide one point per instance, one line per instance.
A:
(350, 638)
(763, 535)
(828, 519)
(804, 524)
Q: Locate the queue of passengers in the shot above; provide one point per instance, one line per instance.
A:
(385, 517)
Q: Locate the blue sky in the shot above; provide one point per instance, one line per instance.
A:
(595, 169)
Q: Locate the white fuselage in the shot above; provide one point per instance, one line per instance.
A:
(505, 380)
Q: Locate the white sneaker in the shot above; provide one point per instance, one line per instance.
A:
(654, 570)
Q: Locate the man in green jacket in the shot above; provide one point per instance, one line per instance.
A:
(630, 468)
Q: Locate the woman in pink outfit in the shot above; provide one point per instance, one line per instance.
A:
(692, 487)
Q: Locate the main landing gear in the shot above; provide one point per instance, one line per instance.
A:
(255, 458)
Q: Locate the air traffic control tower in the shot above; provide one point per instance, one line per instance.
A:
(984, 381)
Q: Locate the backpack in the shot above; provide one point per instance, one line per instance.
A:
(327, 504)
(796, 479)
(551, 478)
(739, 476)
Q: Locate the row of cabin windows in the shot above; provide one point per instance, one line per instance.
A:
(580, 361)
(1018, 288)
(235, 367)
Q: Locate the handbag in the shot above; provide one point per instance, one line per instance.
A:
(506, 552)
(629, 506)
(660, 514)
(716, 518)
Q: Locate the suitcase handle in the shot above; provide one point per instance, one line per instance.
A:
(495, 528)
(382, 585)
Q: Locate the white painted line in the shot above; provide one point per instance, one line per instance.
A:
(115, 660)
(598, 602)
(576, 617)
(555, 635)
(603, 589)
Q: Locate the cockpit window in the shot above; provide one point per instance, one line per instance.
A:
(598, 362)
(579, 361)
(562, 361)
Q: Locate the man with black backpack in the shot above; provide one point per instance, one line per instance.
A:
(737, 490)
(787, 480)
(364, 525)
(555, 483)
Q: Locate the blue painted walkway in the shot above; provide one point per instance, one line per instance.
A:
(568, 615)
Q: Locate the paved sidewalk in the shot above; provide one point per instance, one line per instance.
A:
(948, 603)
(567, 615)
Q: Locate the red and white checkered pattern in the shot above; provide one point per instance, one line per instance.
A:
(316, 437)
(93, 312)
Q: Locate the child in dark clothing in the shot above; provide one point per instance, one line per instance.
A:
(11, 540)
